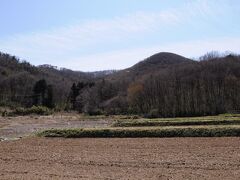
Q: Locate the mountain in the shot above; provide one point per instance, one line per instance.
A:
(17, 79)
(169, 85)
(160, 60)
(151, 65)
(165, 85)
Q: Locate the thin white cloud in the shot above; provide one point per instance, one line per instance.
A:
(58, 45)
(91, 32)
(77, 46)
(126, 58)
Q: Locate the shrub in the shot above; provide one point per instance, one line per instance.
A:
(153, 113)
(39, 110)
(4, 113)
(95, 112)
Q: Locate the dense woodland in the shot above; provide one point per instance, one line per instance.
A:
(163, 85)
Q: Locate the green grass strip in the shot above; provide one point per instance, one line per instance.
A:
(146, 122)
(198, 131)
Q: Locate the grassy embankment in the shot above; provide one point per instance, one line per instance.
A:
(185, 131)
(224, 119)
(210, 126)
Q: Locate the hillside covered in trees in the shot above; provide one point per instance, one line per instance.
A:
(163, 85)
(19, 82)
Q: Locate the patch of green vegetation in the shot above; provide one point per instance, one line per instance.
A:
(230, 115)
(140, 123)
(39, 110)
(86, 116)
(184, 131)
(208, 120)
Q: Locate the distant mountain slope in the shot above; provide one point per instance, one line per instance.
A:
(168, 85)
(165, 85)
(160, 60)
(17, 78)
(150, 65)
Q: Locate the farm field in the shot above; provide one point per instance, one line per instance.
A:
(224, 125)
(121, 158)
(22, 126)
(23, 155)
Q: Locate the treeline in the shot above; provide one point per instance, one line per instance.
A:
(208, 87)
(95, 97)
(164, 85)
(205, 88)
(18, 80)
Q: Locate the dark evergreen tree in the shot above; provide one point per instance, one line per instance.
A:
(49, 100)
(39, 91)
(73, 95)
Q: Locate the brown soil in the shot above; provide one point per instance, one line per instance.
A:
(139, 158)
(20, 126)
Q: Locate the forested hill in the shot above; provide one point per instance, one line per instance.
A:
(169, 85)
(163, 85)
(153, 64)
(17, 79)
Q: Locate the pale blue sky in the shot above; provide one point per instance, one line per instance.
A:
(93, 35)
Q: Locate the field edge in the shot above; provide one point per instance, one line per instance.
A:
(195, 131)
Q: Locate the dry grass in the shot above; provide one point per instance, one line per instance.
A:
(225, 119)
(171, 131)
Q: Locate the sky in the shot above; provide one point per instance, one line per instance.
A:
(93, 35)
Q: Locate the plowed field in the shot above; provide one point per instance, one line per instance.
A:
(126, 158)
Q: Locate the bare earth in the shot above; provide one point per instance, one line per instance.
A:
(139, 158)
(21, 126)
(114, 158)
